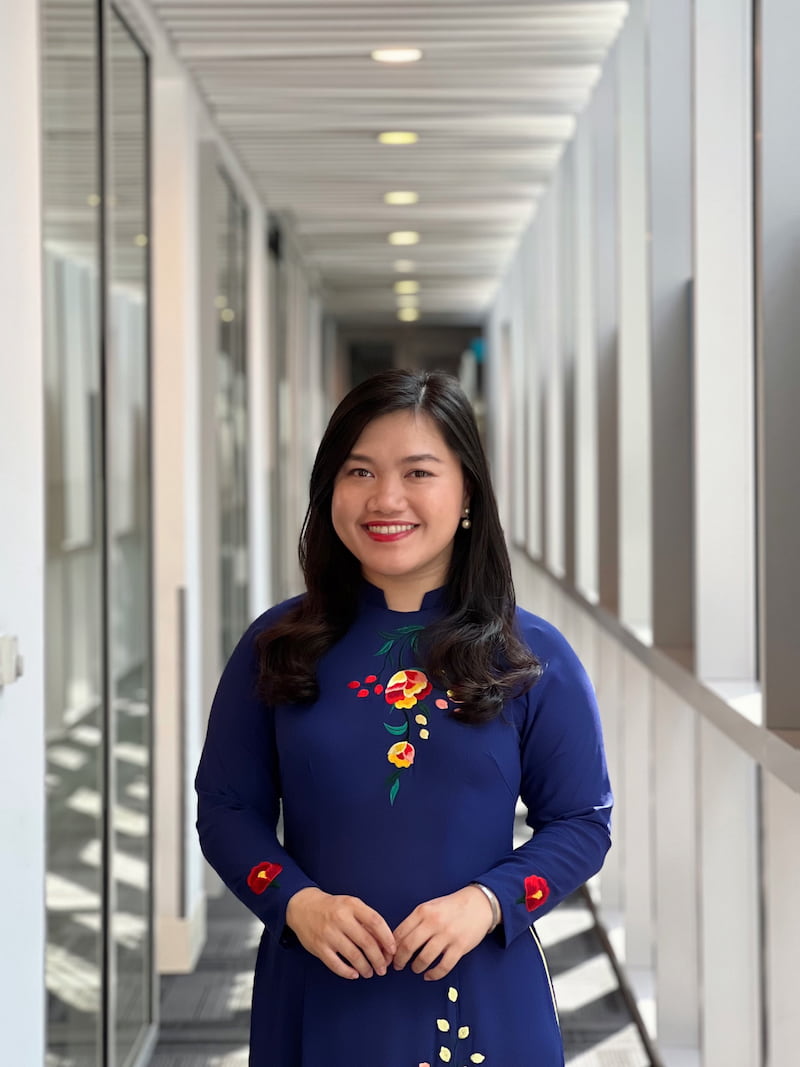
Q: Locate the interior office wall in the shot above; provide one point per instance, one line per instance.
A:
(22, 815)
(707, 793)
(188, 660)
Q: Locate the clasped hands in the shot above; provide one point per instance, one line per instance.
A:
(353, 940)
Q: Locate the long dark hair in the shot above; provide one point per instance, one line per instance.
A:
(473, 649)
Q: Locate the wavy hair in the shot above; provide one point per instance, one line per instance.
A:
(474, 648)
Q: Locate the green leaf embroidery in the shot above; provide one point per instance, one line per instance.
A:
(398, 731)
(393, 777)
(409, 629)
(394, 791)
(386, 648)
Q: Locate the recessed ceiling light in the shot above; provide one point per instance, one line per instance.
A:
(408, 314)
(401, 196)
(398, 137)
(403, 237)
(406, 287)
(409, 301)
(404, 266)
(396, 55)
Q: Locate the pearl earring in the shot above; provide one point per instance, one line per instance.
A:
(466, 522)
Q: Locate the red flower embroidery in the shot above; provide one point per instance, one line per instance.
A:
(363, 693)
(405, 688)
(370, 679)
(401, 754)
(353, 685)
(536, 892)
(262, 876)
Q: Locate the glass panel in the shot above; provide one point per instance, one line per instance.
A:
(74, 563)
(128, 504)
(232, 414)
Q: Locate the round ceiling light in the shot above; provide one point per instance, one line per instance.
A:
(406, 287)
(404, 266)
(408, 314)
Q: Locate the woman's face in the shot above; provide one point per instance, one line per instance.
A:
(398, 500)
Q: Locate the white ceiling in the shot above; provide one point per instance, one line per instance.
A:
(493, 101)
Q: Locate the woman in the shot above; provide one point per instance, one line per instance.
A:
(397, 711)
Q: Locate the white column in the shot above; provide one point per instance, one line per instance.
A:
(638, 831)
(531, 386)
(551, 354)
(635, 535)
(178, 681)
(586, 559)
(724, 434)
(729, 904)
(676, 817)
(608, 685)
(260, 379)
(22, 813)
(517, 283)
(781, 881)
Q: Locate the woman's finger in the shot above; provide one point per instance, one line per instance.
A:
(337, 965)
(410, 936)
(429, 953)
(365, 944)
(379, 928)
(444, 966)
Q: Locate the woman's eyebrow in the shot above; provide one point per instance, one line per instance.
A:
(422, 457)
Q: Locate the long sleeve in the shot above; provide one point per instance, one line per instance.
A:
(564, 786)
(238, 789)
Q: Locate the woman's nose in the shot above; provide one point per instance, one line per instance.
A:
(387, 495)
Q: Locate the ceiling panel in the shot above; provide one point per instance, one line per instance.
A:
(493, 100)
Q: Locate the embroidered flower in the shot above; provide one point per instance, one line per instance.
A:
(401, 754)
(262, 876)
(536, 892)
(405, 688)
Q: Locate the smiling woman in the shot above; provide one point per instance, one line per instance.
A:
(395, 712)
(397, 503)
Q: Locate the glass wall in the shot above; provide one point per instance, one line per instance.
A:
(75, 558)
(99, 960)
(232, 412)
(128, 517)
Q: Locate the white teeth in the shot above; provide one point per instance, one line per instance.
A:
(394, 529)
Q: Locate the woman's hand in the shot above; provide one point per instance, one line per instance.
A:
(447, 927)
(349, 937)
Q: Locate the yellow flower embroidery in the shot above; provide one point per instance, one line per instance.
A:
(405, 688)
(401, 754)
(443, 1025)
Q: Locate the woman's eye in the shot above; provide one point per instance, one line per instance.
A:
(359, 472)
(421, 474)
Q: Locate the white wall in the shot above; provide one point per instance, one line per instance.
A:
(22, 814)
(700, 890)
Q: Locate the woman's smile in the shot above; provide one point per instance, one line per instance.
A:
(393, 531)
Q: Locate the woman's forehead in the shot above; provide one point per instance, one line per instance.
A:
(398, 428)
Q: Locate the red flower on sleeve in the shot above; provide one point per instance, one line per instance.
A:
(262, 876)
(536, 892)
